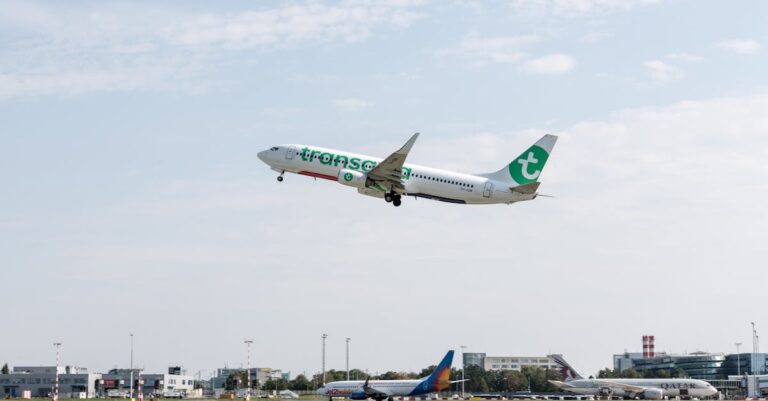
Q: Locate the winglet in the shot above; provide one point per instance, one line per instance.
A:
(408, 145)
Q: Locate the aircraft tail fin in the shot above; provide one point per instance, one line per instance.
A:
(440, 379)
(527, 167)
(567, 373)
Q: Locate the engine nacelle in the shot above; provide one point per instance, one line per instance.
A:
(605, 391)
(352, 178)
(653, 394)
(358, 395)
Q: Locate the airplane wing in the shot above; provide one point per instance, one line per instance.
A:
(626, 387)
(371, 392)
(390, 171)
(562, 385)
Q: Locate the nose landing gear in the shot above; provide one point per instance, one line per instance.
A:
(280, 177)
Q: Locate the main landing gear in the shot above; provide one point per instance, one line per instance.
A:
(280, 177)
(393, 197)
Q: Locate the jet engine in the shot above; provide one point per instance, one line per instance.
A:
(653, 394)
(605, 391)
(352, 178)
(358, 395)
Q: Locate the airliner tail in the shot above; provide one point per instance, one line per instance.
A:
(567, 373)
(440, 378)
(527, 167)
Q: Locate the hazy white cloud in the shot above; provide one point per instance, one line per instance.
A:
(687, 57)
(131, 47)
(747, 46)
(304, 22)
(351, 104)
(551, 64)
(483, 50)
(662, 72)
(576, 8)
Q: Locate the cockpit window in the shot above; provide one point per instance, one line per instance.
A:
(274, 148)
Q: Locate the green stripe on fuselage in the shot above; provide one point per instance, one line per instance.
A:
(351, 163)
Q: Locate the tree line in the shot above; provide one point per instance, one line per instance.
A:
(479, 380)
(676, 373)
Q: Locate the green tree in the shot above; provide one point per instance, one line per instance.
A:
(276, 384)
(5, 370)
(301, 382)
(514, 380)
(482, 385)
(237, 380)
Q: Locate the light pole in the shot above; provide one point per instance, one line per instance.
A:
(130, 391)
(348, 358)
(248, 372)
(738, 360)
(463, 365)
(324, 336)
(56, 382)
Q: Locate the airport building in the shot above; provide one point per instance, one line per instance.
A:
(697, 365)
(507, 362)
(259, 376)
(38, 381)
(117, 383)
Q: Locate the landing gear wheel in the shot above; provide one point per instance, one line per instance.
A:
(279, 178)
(396, 201)
(388, 197)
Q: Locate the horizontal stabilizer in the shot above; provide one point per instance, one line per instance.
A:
(527, 189)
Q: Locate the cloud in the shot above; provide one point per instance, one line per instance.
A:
(351, 104)
(290, 24)
(662, 72)
(748, 46)
(690, 58)
(113, 47)
(484, 50)
(576, 8)
(551, 64)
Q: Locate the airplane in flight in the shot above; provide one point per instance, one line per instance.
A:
(649, 389)
(380, 390)
(391, 178)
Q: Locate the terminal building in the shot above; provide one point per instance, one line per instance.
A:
(259, 376)
(38, 381)
(697, 365)
(507, 362)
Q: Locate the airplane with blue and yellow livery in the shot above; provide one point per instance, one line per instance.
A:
(391, 178)
(438, 380)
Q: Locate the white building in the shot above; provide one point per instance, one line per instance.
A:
(117, 383)
(517, 362)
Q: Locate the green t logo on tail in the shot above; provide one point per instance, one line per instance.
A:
(527, 167)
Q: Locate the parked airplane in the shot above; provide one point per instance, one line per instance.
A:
(652, 389)
(391, 178)
(379, 390)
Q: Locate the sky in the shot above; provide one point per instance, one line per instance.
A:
(132, 200)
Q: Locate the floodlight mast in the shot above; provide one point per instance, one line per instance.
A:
(248, 371)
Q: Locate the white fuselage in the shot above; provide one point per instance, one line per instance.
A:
(394, 388)
(666, 387)
(418, 180)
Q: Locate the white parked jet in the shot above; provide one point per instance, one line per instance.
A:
(650, 389)
(438, 380)
(391, 178)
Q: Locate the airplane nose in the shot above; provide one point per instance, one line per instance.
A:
(263, 155)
